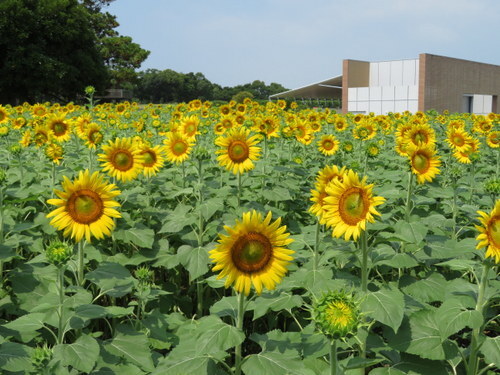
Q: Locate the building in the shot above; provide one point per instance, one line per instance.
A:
(421, 84)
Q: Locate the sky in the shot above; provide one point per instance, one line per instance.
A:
(299, 42)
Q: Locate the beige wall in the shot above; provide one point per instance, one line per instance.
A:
(443, 81)
(355, 73)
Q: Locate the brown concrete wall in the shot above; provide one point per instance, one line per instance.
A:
(444, 80)
(355, 73)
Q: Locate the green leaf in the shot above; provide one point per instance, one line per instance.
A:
(209, 207)
(362, 362)
(27, 326)
(444, 249)
(431, 289)
(386, 371)
(82, 354)
(491, 350)
(132, 346)
(274, 363)
(275, 302)
(178, 219)
(139, 235)
(422, 336)
(7, 253)
(112, 278)
(289, 343)
(194, 259)
(385, 306)
(453, 315)
(226, 306)
(15, 357)
(190, 363)
(218, 337)
(277, 194)
(413, 232)
(458, 264)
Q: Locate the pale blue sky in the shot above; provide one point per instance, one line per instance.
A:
(297, 42)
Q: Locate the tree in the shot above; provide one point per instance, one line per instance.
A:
(49, 51)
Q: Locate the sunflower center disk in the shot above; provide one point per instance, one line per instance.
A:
(420, 138)
(59, 129)
(251, 252)
(179, 148)
(458, 141)
(339, 314)
(421, 163)
(353, 206)
(149, 158)
(494, 231)
(238, 151)
(327, 145)
(123, 160)
(85, 206)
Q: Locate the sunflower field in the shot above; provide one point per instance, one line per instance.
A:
(247, 238)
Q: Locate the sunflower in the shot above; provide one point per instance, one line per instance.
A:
(121, 159)
(154, 159)
(458, 139)
(42, 135)
(493, 139)
(4, 115)
(253, 252)
(424, 163)
(330, 173)
(340, 124)
(60, 127)
(420, 135)
(328, 145)
(189, 126)
(26, 139)
(238, 150)
(373, 150)
(318, 195)
(39, 110)
(54, 152)
(177, 147)
(490, 232)
(86, 207)
(349, 205)
(464, 157)
(93, 135)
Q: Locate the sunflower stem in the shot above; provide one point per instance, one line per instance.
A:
(81, 262)
(199, 285)
(316, 246)
(472, 181)
(364, 261)
(53, 178)
(454, 212)
(408, 196)
(239, 189)
(333, 357)
(60, 331)
(239, 326)
(183, 175)
(498, 163)
(480, 303)
(1, 232)
(90, 159)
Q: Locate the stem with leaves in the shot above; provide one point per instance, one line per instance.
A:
(239, 326)
(333, 357)
(472, 367)
(81, 262)
(60, 312)
(409, 192)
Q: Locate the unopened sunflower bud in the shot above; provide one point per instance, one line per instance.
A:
(41, 356)
(58, 253)
(336, 315)
(15, 149)
(144, 275)
(3, 175)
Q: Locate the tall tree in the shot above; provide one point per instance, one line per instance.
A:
(48, 49)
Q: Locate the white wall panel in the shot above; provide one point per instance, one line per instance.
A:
(400, 105)
(352, 106)
(384, 73)
(352, 93)
(363, 94)
(396, 73)
(410, 72)
(487, 104)
(387, 106)
(374, 74)
(363, 106)
(388, 93)
(413, 92)
(401, 93)
(375, 93)
(477, 103)
(413, 106)
(376, 106)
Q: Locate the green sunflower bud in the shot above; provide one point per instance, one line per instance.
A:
(41, 356)
(492, 186)
(15, 149)
(3, 175)
(58, 253)
(144, 275)
(337, 315)
(90, 90)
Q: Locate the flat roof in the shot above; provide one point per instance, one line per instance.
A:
(330, 88)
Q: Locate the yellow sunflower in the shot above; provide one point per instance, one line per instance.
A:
(54, 152)
(493, 139)
(458, 139)
(189, 126)
(4, 115)
(93, 135)
(424, 163)
(154, 159)
(253, 252)
(86, 207)
(328, 145)
(349, 205)
(330, 173)
(318, 195)
(59, 126)
(420, 135)
(238, 150)
(490, 232)
(121, 159)
(177, 147)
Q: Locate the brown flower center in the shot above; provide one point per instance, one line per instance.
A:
(122, 160)
(353, 205)
(238, 151)
(85, 206)
(251, 252)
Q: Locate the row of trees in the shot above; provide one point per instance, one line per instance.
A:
(163, 86)
(52, 49)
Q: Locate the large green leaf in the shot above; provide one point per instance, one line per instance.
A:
(190, 363)
(27, 326)
(430, 289)
(195, 259)
(413, 232)
(210, 206)
(422, 336)
(81, 355)
(491, 350)
(274, 363)
(132, 346)
(386, 371)
(277, 194)
(385, 306)
(218, 336)
(454, 315)
(112, 278)
(275, 302)
(139, 235)
(226, 306)
(15, 357)
(289, 343)
(178, 219)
